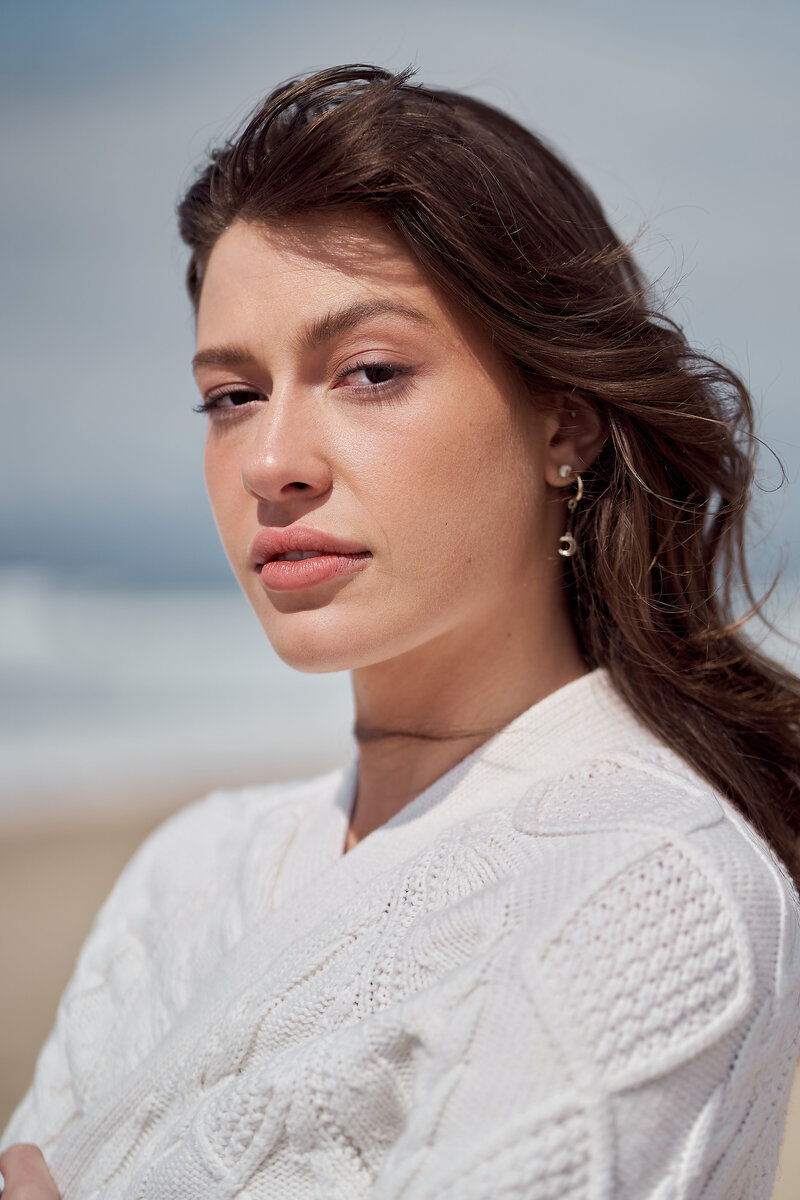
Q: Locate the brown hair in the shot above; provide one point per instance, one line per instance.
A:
(508, 231)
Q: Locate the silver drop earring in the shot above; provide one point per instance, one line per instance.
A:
(568, 544)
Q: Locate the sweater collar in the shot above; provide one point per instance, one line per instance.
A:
(580, 721)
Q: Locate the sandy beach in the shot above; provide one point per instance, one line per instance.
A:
(53, 877)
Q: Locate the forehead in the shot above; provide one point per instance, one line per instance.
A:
(309, 262)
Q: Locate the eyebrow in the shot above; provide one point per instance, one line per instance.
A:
(221, 356)
(342, 320)
(321, 330)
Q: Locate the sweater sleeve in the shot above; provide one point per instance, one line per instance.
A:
(107, 965)
(53, 1101)
(643, 1047)
(182, 900)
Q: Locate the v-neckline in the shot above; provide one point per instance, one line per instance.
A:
(536, 745)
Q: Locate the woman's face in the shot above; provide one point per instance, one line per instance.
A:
(358, 419)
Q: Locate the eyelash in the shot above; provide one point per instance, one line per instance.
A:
(211, 403)
(372, 389)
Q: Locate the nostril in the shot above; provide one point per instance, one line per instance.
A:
(298, 485)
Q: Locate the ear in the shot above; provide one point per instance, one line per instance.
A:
(576, 434)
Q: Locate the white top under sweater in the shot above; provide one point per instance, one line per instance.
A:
(566, 970)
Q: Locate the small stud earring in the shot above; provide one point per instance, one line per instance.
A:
(564, 471)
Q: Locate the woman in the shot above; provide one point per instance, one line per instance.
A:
(541, 938)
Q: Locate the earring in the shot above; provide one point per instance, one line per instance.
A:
(568, 544)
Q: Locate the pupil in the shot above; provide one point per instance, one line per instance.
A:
(378, 374)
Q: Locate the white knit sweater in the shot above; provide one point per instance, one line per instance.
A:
(566, 970)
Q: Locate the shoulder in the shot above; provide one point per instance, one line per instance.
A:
(672, 963)
(653, 939)
(190, 893)
(633, 842)
(191, 859)
(660, 850)
(613, 794)
(209, 838)
(648, 919)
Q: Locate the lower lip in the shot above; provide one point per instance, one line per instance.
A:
(281, 575)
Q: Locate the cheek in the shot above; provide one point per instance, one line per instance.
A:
(214, 476)
(222, 469)
(456, 492)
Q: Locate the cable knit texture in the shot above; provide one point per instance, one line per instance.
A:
(567, 971)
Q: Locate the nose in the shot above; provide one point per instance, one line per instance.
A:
(285, 459)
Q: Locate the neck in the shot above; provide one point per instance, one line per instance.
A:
(420, 714)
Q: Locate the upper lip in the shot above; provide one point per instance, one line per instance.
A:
(269, 543)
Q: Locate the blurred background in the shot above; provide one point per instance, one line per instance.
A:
(132, 675)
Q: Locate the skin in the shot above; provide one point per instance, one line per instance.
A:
(26, 1175)
(445, 470)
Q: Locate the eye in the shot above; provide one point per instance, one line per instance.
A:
(376, 373)
(372, 377)
(227, 400)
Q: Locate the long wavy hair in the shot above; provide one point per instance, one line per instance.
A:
(508, 231)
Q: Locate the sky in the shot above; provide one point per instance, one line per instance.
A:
(681, 116)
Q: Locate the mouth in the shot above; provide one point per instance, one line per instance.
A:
(296, 570)
(298, 557)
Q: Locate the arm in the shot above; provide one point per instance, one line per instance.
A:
(184, 898)
(113, 962)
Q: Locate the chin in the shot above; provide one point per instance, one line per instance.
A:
(323, 640)
(318, 642)
(322, 634)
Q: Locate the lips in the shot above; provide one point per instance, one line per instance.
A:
(300, 556)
